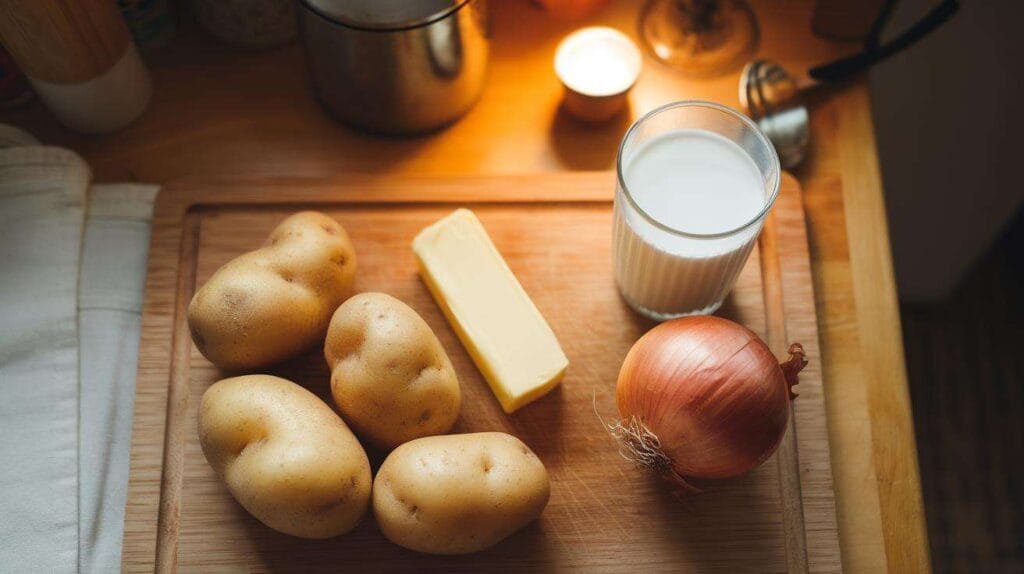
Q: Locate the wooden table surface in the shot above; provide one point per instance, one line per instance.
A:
(221, 113)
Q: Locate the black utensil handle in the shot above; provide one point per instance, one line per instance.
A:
(873, 39)
(843, 67)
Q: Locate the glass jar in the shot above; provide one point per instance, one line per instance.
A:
(249, 23)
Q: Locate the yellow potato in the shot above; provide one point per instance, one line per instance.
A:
(458, 494)
(285, 455)
(390, 376)
(268, 305)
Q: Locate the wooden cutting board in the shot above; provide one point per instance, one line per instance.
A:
(554, 231)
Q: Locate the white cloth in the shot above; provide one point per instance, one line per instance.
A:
(111, 282)
(72, 266)
(42, 204)
(11, 136)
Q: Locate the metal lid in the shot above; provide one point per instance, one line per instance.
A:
(384, 14)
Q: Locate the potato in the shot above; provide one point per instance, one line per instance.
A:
(458, 494)
(285, 455)
(271, 304)
(390, 376)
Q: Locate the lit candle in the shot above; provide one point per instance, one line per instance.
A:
(598, 66)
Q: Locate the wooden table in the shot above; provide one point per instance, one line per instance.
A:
(222, 113)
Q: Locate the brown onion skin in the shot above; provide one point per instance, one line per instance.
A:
(712, 422)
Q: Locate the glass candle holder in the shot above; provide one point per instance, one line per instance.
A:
(695, 183)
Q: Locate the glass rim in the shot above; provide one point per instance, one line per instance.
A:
(774, 183)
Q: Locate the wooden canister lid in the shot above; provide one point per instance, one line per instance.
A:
(63, 41)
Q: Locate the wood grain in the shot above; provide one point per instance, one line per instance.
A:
(892, 430)
(604, 515)
(220, 113)
(789, 451)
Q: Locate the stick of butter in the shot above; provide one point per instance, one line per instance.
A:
(509, 340)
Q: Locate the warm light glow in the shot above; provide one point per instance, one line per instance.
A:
(598, 61)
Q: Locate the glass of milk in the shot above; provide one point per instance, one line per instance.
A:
(695, 183)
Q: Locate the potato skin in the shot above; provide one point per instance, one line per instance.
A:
(285, 456)
(271, 304)
(458, 494)
(390, 377)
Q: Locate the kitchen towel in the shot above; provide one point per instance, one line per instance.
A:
(72, 267)
(42, 214)
(113, 269)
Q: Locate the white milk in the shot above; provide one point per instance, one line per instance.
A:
(696, 182)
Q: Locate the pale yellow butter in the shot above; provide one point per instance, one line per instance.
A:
(508, 338)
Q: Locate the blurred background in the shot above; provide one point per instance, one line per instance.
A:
(946, 120)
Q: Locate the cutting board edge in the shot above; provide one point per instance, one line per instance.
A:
(182, 202)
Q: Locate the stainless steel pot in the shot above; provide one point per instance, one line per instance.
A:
(396, 66)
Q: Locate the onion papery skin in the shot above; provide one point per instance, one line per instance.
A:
(712, 394)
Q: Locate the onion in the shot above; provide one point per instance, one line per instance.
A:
(703, 398)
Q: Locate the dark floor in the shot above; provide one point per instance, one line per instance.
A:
(965, 359)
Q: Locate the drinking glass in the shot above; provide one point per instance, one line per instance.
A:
(700, 38)
(665, 272)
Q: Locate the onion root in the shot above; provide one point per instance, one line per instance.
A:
(642, 447)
